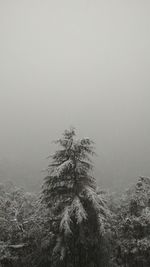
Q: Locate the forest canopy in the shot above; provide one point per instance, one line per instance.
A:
(72, 222)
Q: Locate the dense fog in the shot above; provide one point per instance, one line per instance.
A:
(82, 63)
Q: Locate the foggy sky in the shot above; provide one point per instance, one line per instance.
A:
(84, 63)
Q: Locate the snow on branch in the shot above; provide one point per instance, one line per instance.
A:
(79, 210)
(63, 168)
(65, 222)
(94, 198)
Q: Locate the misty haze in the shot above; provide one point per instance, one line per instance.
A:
(82, 64)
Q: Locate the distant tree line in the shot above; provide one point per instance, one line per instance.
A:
(71, 222)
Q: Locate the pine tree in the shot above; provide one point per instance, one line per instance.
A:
(131, 223)
(69, 191)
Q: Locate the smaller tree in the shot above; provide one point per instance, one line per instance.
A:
(69, 191)
(17, 220)
(133, 234)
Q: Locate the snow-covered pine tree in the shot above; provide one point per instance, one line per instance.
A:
(69, 191)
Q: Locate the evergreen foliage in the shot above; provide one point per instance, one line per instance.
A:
(133, 231)
(76, 224)
(69, 192)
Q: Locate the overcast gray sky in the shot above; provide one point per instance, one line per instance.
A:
(75, 62)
